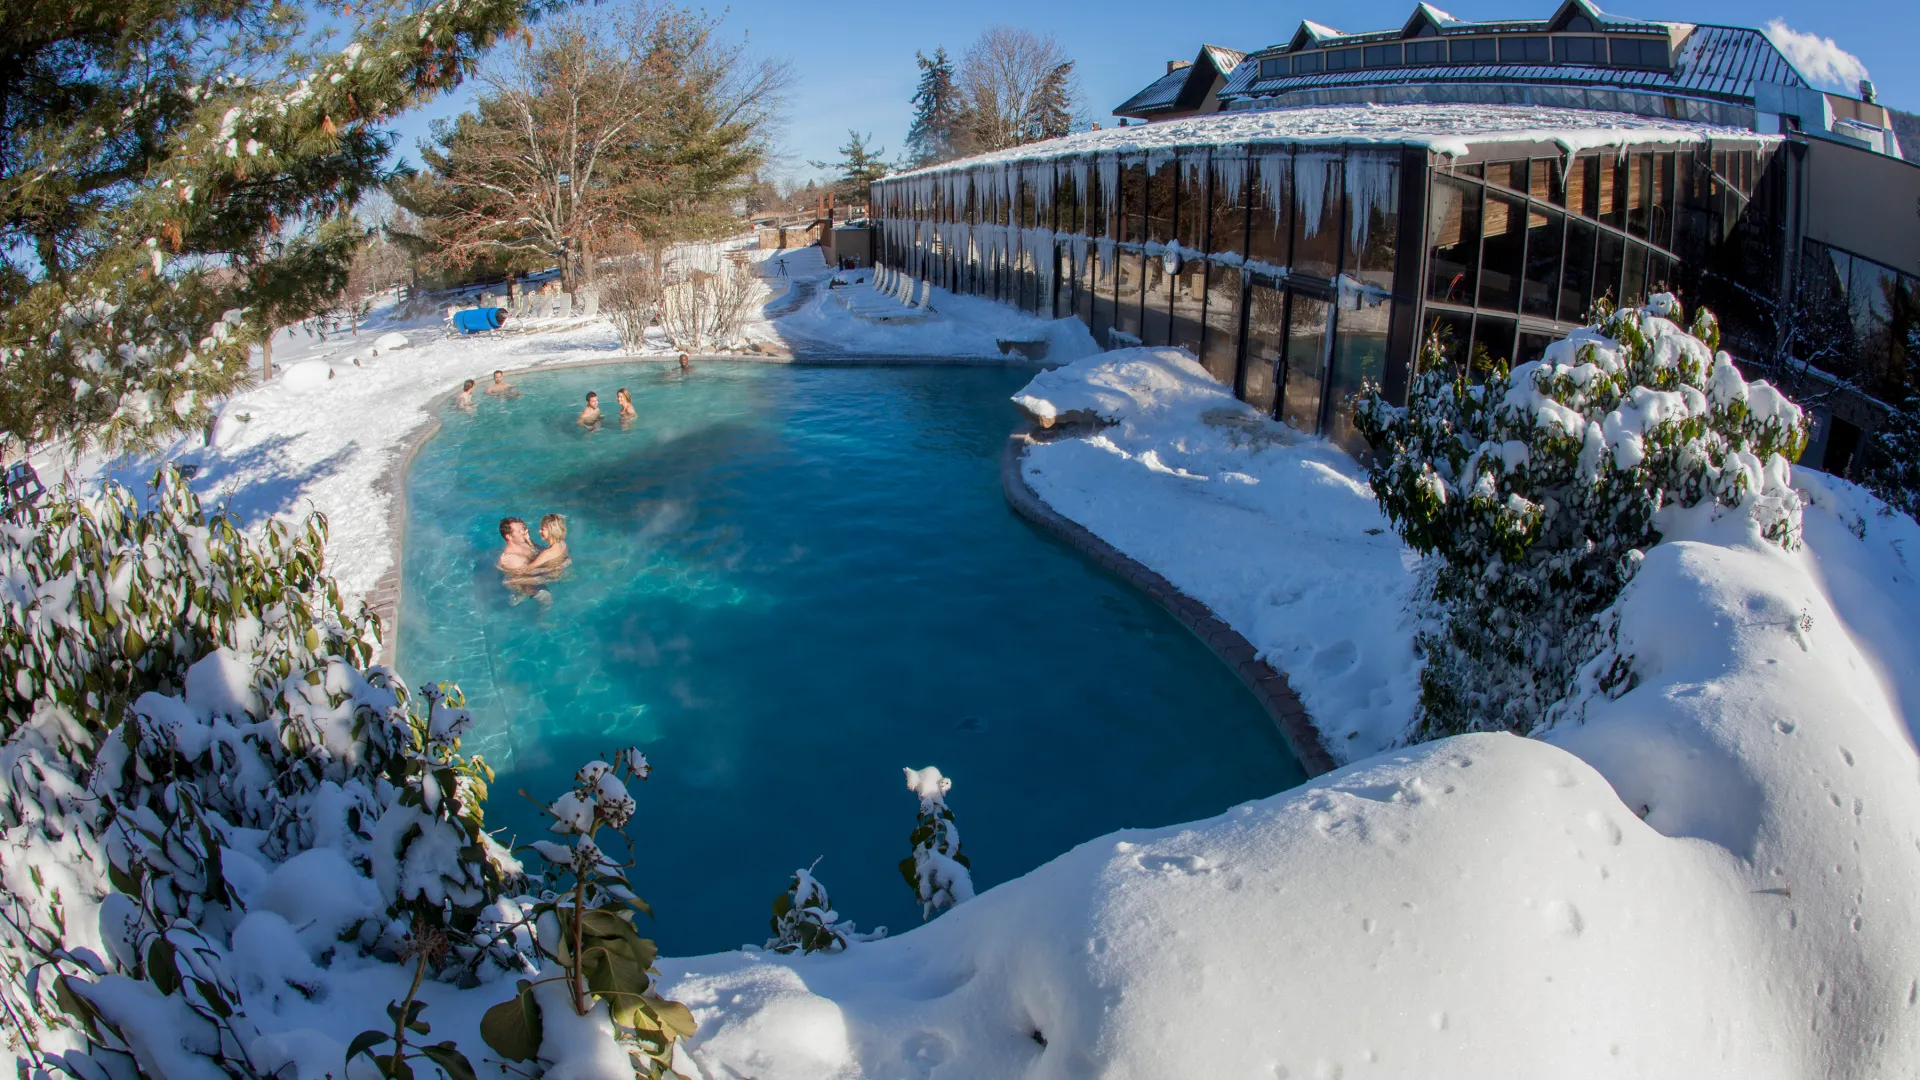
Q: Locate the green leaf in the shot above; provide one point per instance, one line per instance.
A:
(674, 1016)
(160, 967)
(450, 1059)
(364, 1042)
(512, 1028)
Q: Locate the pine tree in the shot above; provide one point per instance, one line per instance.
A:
(934, 134)
(1893, 463)
(176, 181)
(1053, 105)
(858, 167)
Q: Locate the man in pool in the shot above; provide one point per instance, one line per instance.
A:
(520, 551)
(590, 416)
(500, 385)
(684, 366)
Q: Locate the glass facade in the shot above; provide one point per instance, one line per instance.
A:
(1286, 271)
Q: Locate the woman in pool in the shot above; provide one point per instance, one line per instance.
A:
(627, 411)
(553, 558)
(464, 399)
(531, 577)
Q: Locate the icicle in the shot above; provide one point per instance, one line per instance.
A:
(1373, 183)
(1232, 172)
(1193, 165)
(1310, 169)
(1158, 157)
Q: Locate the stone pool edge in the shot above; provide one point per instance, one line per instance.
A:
(1269, 685)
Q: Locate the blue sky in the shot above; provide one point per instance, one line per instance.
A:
(855, 67)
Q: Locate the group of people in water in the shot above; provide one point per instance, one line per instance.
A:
(528, 567)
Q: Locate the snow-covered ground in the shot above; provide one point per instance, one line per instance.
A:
(1712, 875)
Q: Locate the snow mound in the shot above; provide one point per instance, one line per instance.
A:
(307, 375)
(389, 342)
(1277, 532)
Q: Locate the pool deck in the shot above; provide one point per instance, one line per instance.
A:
(1269, 685)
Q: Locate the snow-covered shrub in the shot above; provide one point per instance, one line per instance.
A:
(937, 871)
(227, 800)
(1893, 463)
(630, 295)
(1537, 491)
(102, 600)
(804, 919)
(583, 926)
(705, 310)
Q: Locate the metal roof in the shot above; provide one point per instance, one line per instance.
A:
(1174, 89)
(1159, 94)
(1723, 62)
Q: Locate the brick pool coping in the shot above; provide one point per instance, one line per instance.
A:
(1269, 685)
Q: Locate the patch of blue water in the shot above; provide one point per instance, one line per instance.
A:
(788, 583)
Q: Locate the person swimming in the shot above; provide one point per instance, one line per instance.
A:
(684, 365)
(464, 399)
(590, 416)
(500, 385)
(627, 411)
(520, 551)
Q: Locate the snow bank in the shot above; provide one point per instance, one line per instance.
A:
(1276, 532)
(307, 375)
(953, 325)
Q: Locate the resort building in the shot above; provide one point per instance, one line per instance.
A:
(1350, 194)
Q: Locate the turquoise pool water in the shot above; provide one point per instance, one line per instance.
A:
(788, 583)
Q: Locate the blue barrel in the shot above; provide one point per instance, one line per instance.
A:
(479, 320)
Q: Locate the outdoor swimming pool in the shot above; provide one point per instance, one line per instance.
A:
(787, 583)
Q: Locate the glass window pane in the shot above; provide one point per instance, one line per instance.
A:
(1872, 294)
(1492, 341)
(1086, 285)
(1189, 305)
(1542, 290)
(1220, 353)
(1453, 228)
(1227, 208)
(1266, 327)
(1663, 201)
(1544, 182)
(1317, 194)
(1192, 198)
(1133, 201)
(1064, 279)
(1640, 194)
(1305, 361)
(1508, 174)
(1633, 281)
(1610, 260)
(1505, 221)
(1583, 186)
(1576, 282)
(1270, 180)
(1126, 293)
(1532, 347)
(1100, 196)
(1105, 266)
(1454, 329)
(1028, 196)
(1160, 190)
(1373, 226)
(1359, 356)
(1155, 312)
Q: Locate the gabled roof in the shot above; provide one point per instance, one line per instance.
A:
(1183, 88)
(1570, 8)
(1311, 32)
(1425, 15)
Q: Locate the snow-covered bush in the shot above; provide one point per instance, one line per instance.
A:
(937, 871)
(1893, 462)
(804, 919)
(1536, 492)
(630, 295)
(204, 788)
(705, 310)
(583, 926)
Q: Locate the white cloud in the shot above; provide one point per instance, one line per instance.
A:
(1820, 59)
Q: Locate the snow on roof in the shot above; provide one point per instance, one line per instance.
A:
(1158, 94)
(1320, 31)
(1445, 128)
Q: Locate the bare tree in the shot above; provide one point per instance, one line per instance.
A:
(638, 122)
(1016, 87)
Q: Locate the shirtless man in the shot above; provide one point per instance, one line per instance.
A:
(500, 385)
(464, 399)
(627, 411)
(686, 367)
(590, 416)
(520, 552)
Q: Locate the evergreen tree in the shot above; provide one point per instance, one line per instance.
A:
(1893, 462)
(1053, 105)
(934, 134)
(858, 167)
(177, 179)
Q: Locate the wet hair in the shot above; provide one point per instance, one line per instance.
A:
(506, 527)
(497, 372)
(622, 392)
(469, 385)
(556, 523)
(591, 394)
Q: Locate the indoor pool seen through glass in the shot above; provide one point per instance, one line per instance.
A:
(787, 584)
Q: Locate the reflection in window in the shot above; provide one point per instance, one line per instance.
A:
(1611, 257)
(1639, 194)
(1359, 356)
(1508, 174)
(1541, 292)
(1266, 325)
(1220, 351)
(1105, 267)
(1663, 200)
(1500, 253)
(1066, 200)
(1099, 202)
(1160, 185)
(1192, 200)
(1227, 208)
(1583, 186)
(1531, 347)
(1316, 214)
(1452, 331)
(1189, 302)
(1155, 312)
(1306, 360)
(1085, 285)
(1133, 202)
(1126, 292)
(1492, 341)
(1453, 226)
(1633, 278)
(1064, 280)
(1576, 283)
(1270, 180)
